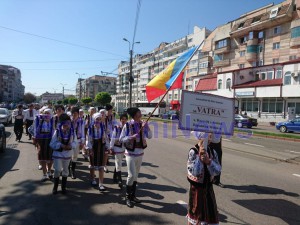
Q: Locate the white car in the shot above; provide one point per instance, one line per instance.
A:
(5, 116)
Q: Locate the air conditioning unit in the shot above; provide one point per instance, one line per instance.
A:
(295, 74)
(273, 13)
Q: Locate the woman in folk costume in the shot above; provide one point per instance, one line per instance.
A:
(110, 122)
(96, 143)
(42, 134)
(88, 121)
(134, 136)
(107, 132)
(63, 143)
(59, 109)
(78, 126)
(117, 148)
(202, 166)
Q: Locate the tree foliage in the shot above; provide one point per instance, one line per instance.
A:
(73, 101)
(103, 98)
(59, 102)
(29, 98)
(86, 100)
(65, 101)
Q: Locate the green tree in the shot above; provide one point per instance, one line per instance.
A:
(29, 98)
(86, 100)
(59, 102)
(66, 101)
(73, 101)
(103, 98)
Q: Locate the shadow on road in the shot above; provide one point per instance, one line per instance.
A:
(8, 160)
(280, 208)
(261, 190)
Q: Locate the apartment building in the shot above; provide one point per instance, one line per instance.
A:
(11, 88)
(146, 66)
(51, 97)
(256, 59)
(89, 87)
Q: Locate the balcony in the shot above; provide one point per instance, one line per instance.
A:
(253, 41)
(251, 53)
(295, 42)
(222, 63)
(222, 50)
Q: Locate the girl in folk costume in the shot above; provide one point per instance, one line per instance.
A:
(78, 126)
(63, 143)
(117, 149)
(96, 143)
(59, 109)
(107, 131)
(134, 136)
(110, 123)
(19, 115)
(88, 121)
(43, 132)
(202, 166)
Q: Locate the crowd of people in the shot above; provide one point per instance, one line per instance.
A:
(59, 136)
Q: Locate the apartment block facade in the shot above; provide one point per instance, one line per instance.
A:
(11, 88)
(256, 60)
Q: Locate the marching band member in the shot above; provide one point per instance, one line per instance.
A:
(19, 115)
(63, 143)
(202, 166)
(43, 132)
(96, 143)
(134, 136)
(117, 149)
(78, 126)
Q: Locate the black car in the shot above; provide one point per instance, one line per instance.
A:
(245, 121)
(2, 138)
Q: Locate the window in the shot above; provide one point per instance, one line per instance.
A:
(190, 40)
(260, 63)
(219, 57)
(221, 44)
(269, 75)
(242, 53)
(254, 64)
(272, 106)
(275, 61)
(263, 76)
(241, 66)
(292, 57)
(256, 19)
(250, 35)
(228, 83)
(260, 34)
(278, 73)
(277, 30)
(220, 84)
(243, 40)
(170, 96)
(175, 96)
(260, 48)
(295, 32)
(288, 78)
(249, 105)
(276, 45)
(241, 25)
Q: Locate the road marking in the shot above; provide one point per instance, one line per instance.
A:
(226, 139)
(297, 175)
(255, 145)
(182, 203)
(295, 152)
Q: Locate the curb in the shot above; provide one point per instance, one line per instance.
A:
(275, 137)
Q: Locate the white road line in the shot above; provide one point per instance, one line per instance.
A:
(295, 152)
(297, 175)
(182, 203)
(224, 139)
(254, 145)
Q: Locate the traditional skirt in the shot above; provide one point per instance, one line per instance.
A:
(98, 153)
(202, 205)
(44, 149)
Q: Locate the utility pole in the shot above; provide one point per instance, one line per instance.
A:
(63, 89)
(80, 86)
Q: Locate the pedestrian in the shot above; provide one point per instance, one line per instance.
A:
(103, 113)
(88, 121)
(28, 118)
(43, 132)
(110, 122)
(117, 149)
(63, 143)
(216, 144)
(96, 144)
(78, 126)
(59, 109)
(202, 166)
(19, 115)
(134, 135)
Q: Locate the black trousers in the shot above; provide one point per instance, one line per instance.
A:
(28, 124)
(18, 128)
(218, 148)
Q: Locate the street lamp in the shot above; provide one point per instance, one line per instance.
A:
(63, 89)
(80, 88)
(131, 79)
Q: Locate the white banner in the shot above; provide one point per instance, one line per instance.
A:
(207, 113)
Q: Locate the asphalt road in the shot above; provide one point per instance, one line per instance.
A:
(260, 187)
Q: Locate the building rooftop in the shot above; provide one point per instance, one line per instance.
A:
(260, 83)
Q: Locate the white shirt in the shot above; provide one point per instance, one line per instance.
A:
(27, 115)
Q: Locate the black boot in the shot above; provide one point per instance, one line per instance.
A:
(120, 182)
(115, 176)
(134, 199)
(129, 203)
(64, 185)
(56, 182)
(73, 167)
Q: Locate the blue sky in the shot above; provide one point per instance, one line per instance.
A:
(100, 25)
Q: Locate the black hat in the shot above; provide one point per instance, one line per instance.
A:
(132, 111)
(108, 107)
(59, 106)
(64, 117)
(75, 109)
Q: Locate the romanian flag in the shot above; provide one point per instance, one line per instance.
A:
(171, 77)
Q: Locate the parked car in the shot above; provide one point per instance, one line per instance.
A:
(2, 138)
(291, 125)
(5, 116)
(245, 121)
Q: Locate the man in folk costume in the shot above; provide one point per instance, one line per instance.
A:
(134, 136)
(78, 126)
(63, 143)
(216, 144)
(117, 148)
(97, 144)
(202, 166)
(28, 118)
(19, 115)
(43, 132)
